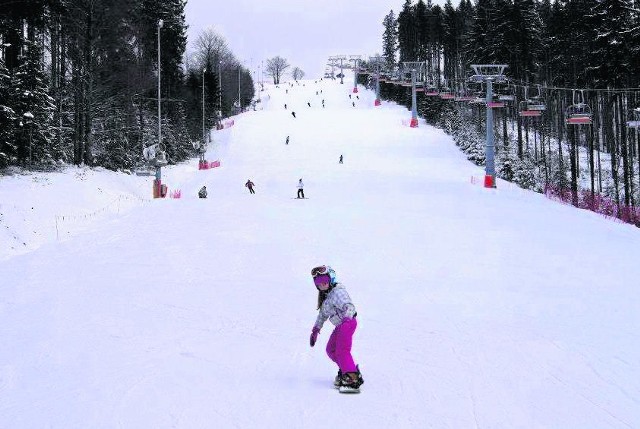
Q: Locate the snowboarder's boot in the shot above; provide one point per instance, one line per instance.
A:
(338, 380)
(351, 382)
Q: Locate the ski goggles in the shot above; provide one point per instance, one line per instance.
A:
(318, 271)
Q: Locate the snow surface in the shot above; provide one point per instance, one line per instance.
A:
(477, 308)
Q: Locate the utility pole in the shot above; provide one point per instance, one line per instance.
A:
(489, 73)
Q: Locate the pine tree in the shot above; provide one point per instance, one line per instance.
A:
(407, 37)
(8, 148)
(611, 54)
(390, 40)
(33, 107)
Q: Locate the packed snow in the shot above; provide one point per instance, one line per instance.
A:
(477, 308)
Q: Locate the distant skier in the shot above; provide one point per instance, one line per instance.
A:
(340, 162)
(285, 106)
(358, 97)
(300, 189)
(287, 141)
(353, 103)
(308, 104)
(349, 96)
(250, 185)
(293, 114)
(202, 193)
(334, 303)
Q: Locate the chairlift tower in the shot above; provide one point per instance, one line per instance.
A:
(333, 63)
(341, 59)
(417, 70)
(489, 73)
(377, 63)
(356, 62)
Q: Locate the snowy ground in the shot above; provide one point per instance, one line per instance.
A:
(477, 308)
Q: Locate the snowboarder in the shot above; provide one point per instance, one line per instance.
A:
(300, 189)
(335, 304)
(293, 114)
(202, 193)
(340, 162)
(287, 141)
(250, 185)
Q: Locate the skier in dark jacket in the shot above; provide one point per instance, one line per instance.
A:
(250, 185)
(202, 193)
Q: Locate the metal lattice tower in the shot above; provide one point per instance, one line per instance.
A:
(489, 73)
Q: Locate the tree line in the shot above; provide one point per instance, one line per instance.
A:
(79, 82)
(563, 53)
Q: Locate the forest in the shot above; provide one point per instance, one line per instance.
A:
(83, 81)
(565, 58)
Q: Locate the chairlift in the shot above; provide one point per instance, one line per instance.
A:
(479, 98)
(463, 97)
(578, 113)
(143, 170)
(496, 103)
(419, 86)
(431, 91)
(161, 158)
(446, 94)
(635, 123)
(531, 107)
(506, 96)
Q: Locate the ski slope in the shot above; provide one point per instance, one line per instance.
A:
(477, 308)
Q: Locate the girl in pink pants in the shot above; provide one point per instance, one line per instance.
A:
(335, 304)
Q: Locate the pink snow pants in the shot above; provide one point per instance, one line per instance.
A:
(339, 345)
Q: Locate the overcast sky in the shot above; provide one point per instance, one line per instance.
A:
(304, 32)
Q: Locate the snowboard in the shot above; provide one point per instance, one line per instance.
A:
(345, 389)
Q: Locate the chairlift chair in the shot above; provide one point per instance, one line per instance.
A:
(160, 160)
(496, 103)
(477, 99)
(463, 97)
(578, 114)
(635, 123)
(525, 109)
(142, 170)
(446, 94)
(431, 91)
